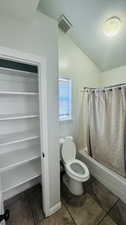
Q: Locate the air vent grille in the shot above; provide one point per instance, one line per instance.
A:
(64, 24)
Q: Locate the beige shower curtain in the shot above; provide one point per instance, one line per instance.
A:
(82, 139)
(107, 127)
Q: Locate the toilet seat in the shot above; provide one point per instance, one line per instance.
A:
(77, 170)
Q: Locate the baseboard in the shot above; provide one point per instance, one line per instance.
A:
(11, 193)
(54, 209)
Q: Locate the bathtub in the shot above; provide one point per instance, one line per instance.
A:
(111, 180)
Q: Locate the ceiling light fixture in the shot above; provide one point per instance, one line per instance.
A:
(112, 26)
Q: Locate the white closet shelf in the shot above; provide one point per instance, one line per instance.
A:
(9, 160)
(13, 138)
(17, 116)
(19, 72)
(17, 93)
(20, 175)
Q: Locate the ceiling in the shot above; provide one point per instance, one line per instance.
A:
(87, 18)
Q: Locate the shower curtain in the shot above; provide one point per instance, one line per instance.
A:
(82, 139)
(106, 127)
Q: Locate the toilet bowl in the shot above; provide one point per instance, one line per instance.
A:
(76, 171)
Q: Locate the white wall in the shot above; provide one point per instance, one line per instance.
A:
(117, 75)
(74, 64)
(39, 37)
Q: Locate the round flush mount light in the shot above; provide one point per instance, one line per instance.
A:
(112, 26)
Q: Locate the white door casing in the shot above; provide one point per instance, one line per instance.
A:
(1, 204)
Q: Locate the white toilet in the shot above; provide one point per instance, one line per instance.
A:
(76, 171)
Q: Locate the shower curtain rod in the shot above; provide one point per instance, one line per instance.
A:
(107, 87)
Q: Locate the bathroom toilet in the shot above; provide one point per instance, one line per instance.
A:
(76, 171)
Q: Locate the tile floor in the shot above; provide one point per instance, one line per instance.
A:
(25, 209)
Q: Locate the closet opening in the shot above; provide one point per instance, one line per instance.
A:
(22, 138)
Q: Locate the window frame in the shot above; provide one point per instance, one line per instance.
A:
(69, 116)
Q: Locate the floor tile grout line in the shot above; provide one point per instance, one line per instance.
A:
(69, 213)
(107, 213)
(114, 204)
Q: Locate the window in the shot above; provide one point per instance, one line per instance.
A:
(65, 99)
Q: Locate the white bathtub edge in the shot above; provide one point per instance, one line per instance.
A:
(114, 182)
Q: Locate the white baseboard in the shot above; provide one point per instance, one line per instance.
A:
(54, 209)
(21, 188)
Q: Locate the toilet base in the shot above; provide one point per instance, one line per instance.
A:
(75, 187)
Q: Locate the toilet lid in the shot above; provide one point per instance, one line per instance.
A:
(68, 151)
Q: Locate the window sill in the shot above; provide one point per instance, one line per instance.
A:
(65, 120)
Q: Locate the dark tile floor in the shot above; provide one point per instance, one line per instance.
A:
(89, 209)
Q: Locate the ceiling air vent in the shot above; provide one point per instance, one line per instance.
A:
(64, 24)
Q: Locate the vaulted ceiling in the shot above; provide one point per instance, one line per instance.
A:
(87, 18)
